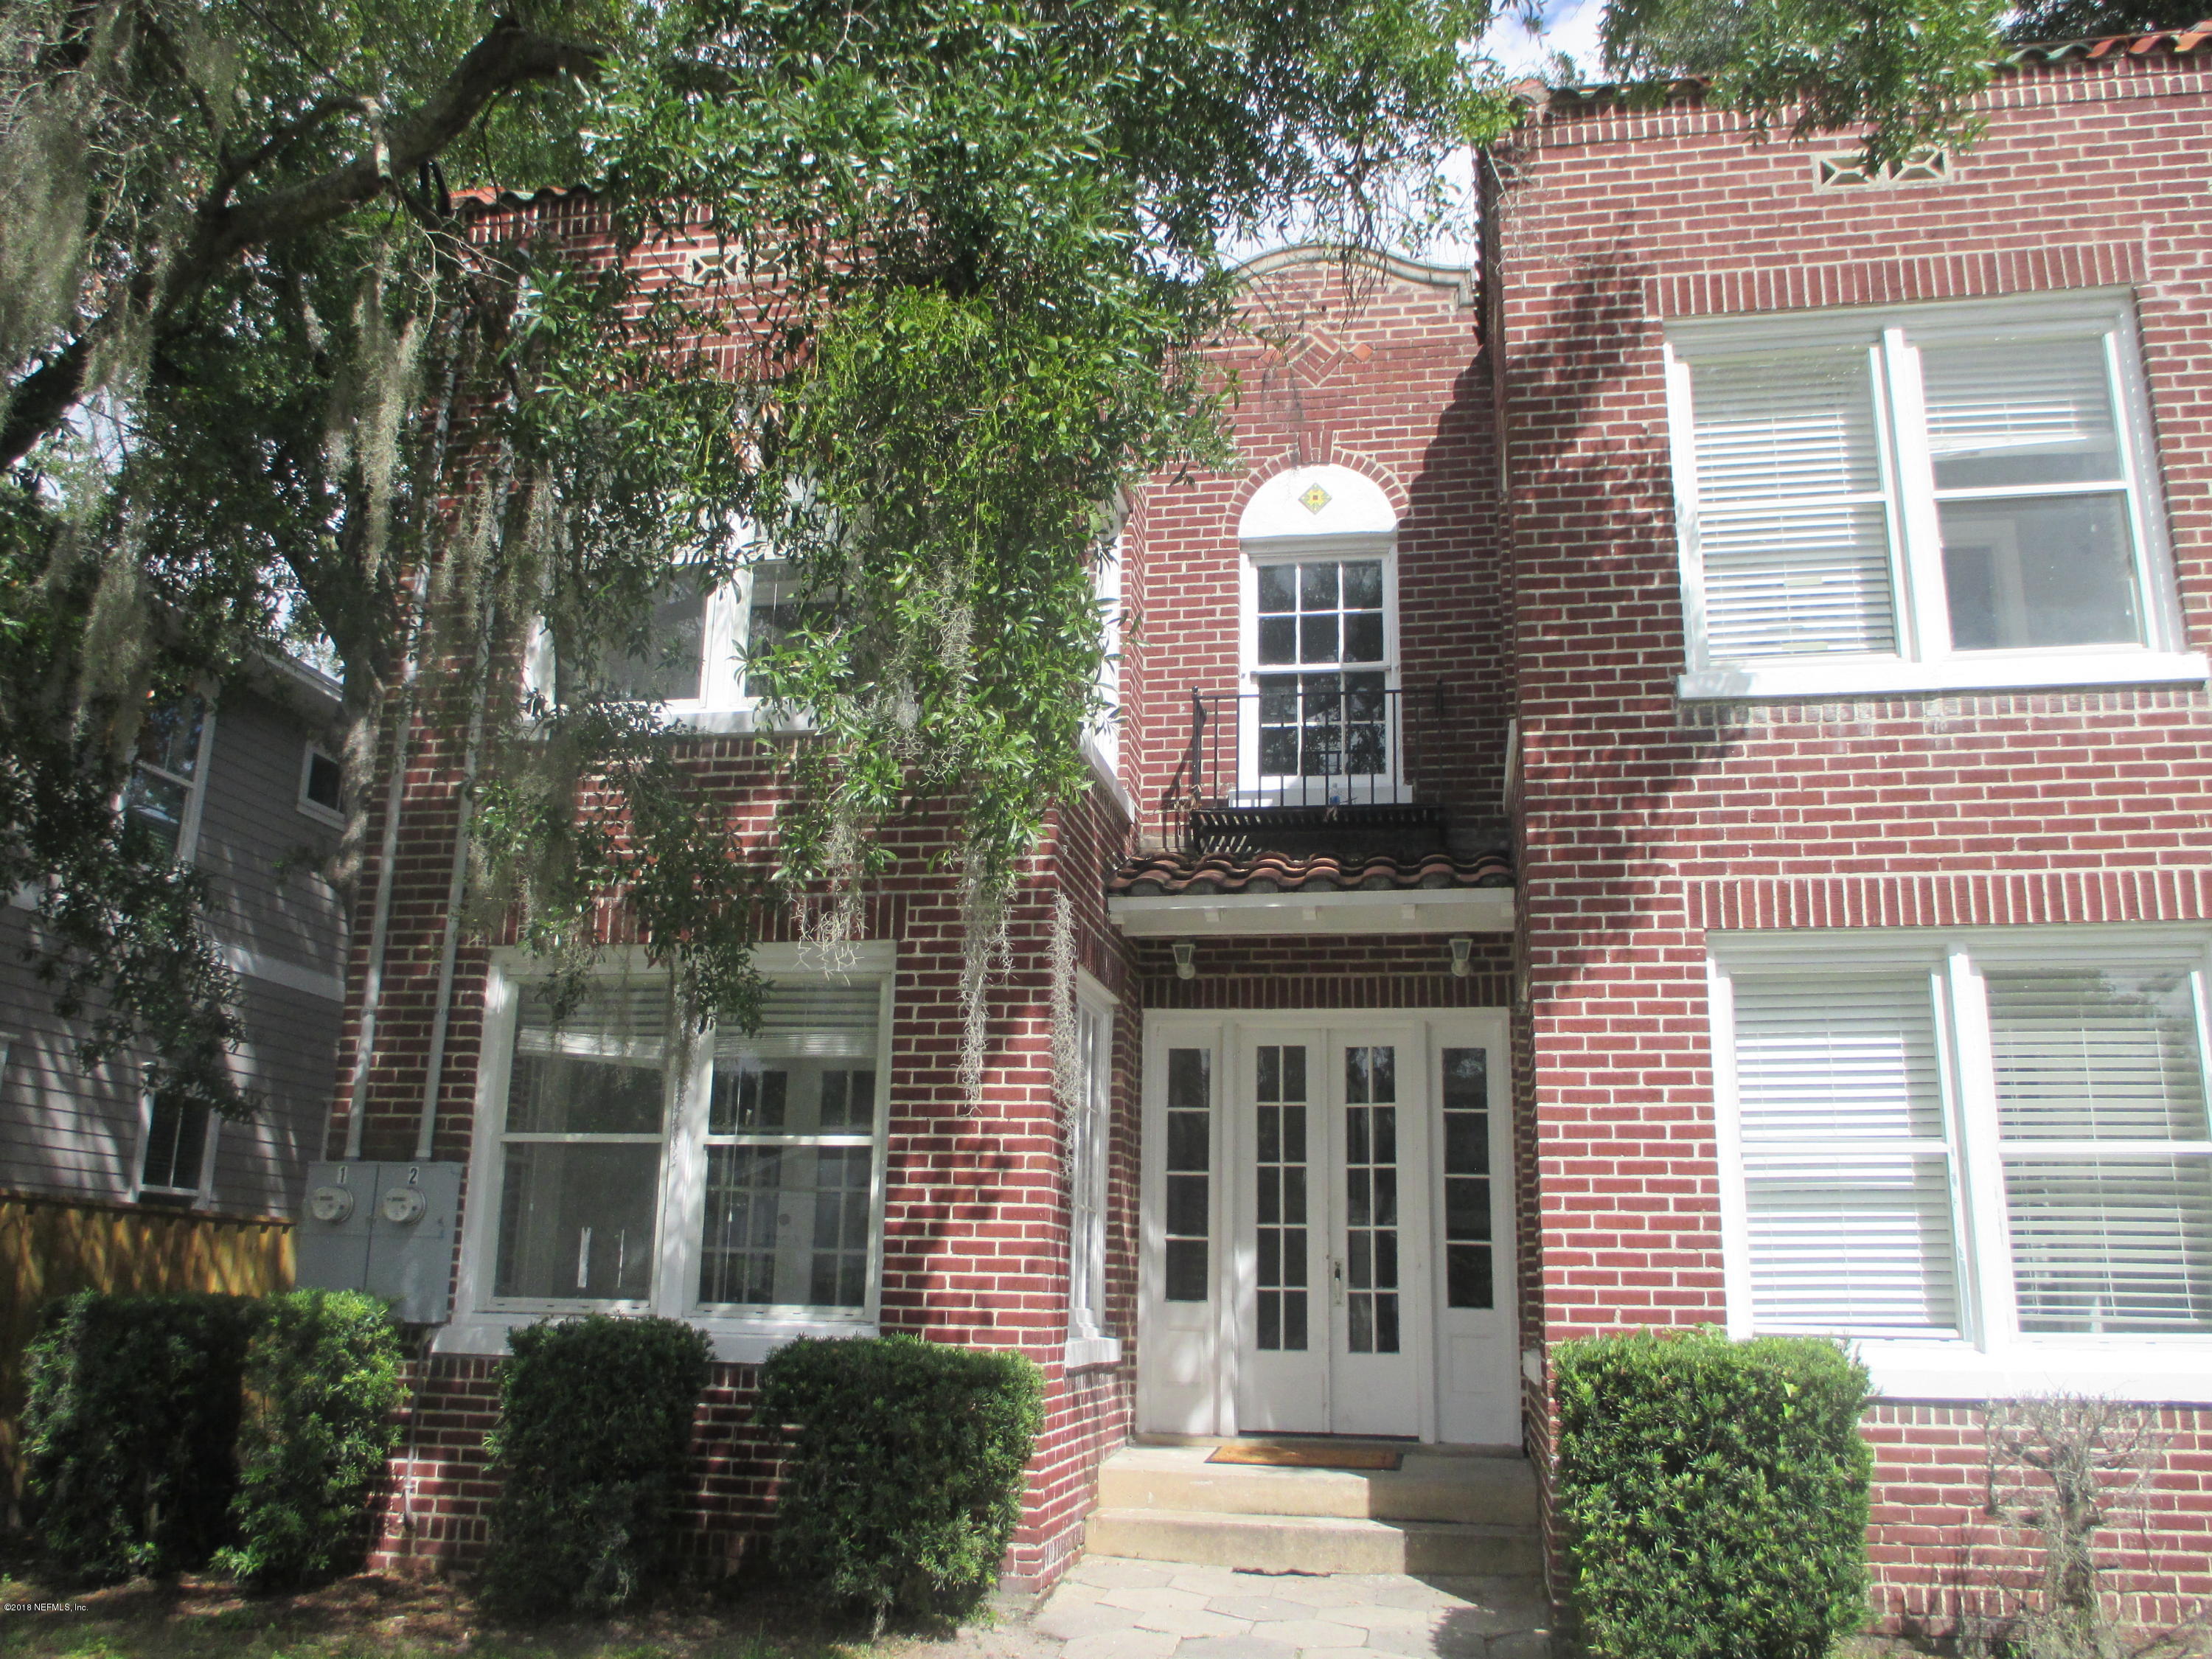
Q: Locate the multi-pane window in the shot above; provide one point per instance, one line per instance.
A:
(1322, 669)
(1917, 485)
(1469, 1270)
(1975, 1145)
(173, 1154)
(162, 797)
(1089, 1134)
(1189, 1180)
(791, 1140)
(726, 1173)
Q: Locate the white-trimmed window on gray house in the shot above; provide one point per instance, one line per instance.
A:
(1930, 497)
(731, 1178)
(1988, 1153)
(1091, 1338)
(322, 785)
(168, 775)
(176, 1150)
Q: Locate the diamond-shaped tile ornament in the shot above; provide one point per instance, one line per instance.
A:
(1315, 499)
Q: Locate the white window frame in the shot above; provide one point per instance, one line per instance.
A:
(722, 705)
(195, 786)
(481, 1320)
(1990, 1357)
(1091, 1339)
(1254, 788)
(198, 1195)
(1924, 661)
(315, 809)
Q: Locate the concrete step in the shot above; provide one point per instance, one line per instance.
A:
(1312, 1543)
(1425, 1487)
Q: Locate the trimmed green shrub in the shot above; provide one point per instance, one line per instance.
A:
(904, 1482)
(322, 1382)
(130, 1430)
(1712, 1495)
(594, 1424)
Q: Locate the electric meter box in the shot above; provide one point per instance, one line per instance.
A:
(383, 1228)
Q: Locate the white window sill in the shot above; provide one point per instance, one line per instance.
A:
(736, 1342)
(2143, 1369)
(1082, 1353)
(1802, 676)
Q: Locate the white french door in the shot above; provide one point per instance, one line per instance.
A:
(1331, 1325)
(1326, 1227)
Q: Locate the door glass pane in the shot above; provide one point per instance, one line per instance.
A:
(1370, 1198)
(1468, 1275)
(1281, 1232)
(1190, 1105)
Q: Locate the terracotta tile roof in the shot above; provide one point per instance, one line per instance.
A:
(1573, 102)
(1271, 872)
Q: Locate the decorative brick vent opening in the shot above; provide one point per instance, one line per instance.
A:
(1850, 171)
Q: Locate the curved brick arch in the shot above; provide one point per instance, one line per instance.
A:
(1325, 449)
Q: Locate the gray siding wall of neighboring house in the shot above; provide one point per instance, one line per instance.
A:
(68, 1131)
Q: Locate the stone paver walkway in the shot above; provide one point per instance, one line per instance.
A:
(1110, 1607)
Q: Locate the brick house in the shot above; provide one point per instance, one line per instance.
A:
(1622, 816)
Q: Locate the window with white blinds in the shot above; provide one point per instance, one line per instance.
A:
(728, 1173)
(1873, 1102)
(1846, 1159)
(1914, 485)
(2107, 1153)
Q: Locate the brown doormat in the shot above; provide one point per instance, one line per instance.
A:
(1305, 1457)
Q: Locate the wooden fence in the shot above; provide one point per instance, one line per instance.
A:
(50, 1247)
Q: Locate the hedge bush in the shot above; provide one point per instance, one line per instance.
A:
(904, 1483)
(130, 1430)
(595, 1421)
(1712, 1495)
(322, 1383)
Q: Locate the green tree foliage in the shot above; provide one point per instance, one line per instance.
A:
(263, 372)
(594, 1424)
(907, 1469)
(322, 1383)
(1712, 1494)
(130, 1430)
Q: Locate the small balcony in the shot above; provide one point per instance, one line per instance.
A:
(1308, 763)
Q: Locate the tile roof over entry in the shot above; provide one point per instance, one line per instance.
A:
(1163, 873)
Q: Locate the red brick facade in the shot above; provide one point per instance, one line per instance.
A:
(1650, 822)
(1645, 823)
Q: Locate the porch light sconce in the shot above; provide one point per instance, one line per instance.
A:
(1185, 968)
(1462, 955)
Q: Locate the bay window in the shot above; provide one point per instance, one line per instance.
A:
(1993, 1144)
(628, 1164)
(1926, 496)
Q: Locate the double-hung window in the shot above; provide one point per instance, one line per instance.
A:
(168, 775)
(1984, 1149)
(1091, 1339)
(693, 656)
(629, 1165)
(1921, 497)
(176, 1148)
